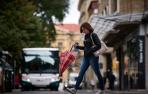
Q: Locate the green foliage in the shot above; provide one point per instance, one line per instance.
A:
(28, 23)
(48, 9)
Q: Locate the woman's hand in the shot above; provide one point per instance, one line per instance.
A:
(75, 44)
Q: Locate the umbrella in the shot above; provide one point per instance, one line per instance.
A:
(66, 58)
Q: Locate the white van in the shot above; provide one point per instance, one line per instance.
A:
(40, 68)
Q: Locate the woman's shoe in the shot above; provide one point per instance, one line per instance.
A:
(100, 92)
(71, 90)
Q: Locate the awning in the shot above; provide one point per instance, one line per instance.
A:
(108, 24)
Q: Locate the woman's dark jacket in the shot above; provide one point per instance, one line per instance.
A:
(89, 47)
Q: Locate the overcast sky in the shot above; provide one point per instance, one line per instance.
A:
(73, 15)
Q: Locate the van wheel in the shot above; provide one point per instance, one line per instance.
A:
(24, 89)
(54, 89)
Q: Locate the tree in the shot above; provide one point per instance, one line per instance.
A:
(48, 10)
(20, 25)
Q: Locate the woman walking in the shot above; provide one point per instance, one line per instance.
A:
(90, 39)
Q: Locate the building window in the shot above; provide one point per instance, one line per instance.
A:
(114, 6)
(93, 8)
(60, 45)
(105, 12)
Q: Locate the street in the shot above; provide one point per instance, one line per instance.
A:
(49, 92)
(17, 91)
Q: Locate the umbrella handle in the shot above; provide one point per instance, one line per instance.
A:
(71, 48)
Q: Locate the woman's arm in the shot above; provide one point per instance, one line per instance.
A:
(80, 47)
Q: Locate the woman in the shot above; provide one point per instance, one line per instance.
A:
(89, 57)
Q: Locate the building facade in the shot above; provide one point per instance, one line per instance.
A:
(122, 24)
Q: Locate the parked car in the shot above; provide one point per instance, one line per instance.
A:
(6, 72)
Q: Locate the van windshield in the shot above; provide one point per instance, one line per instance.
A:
(41, 62)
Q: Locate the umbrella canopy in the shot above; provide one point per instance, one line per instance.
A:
(66, 58)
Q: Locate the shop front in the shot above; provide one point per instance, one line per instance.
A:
(132, 64)
(129, 52)
(128, 38)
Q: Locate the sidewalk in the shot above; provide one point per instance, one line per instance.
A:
(127, 92)
(113, 92)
